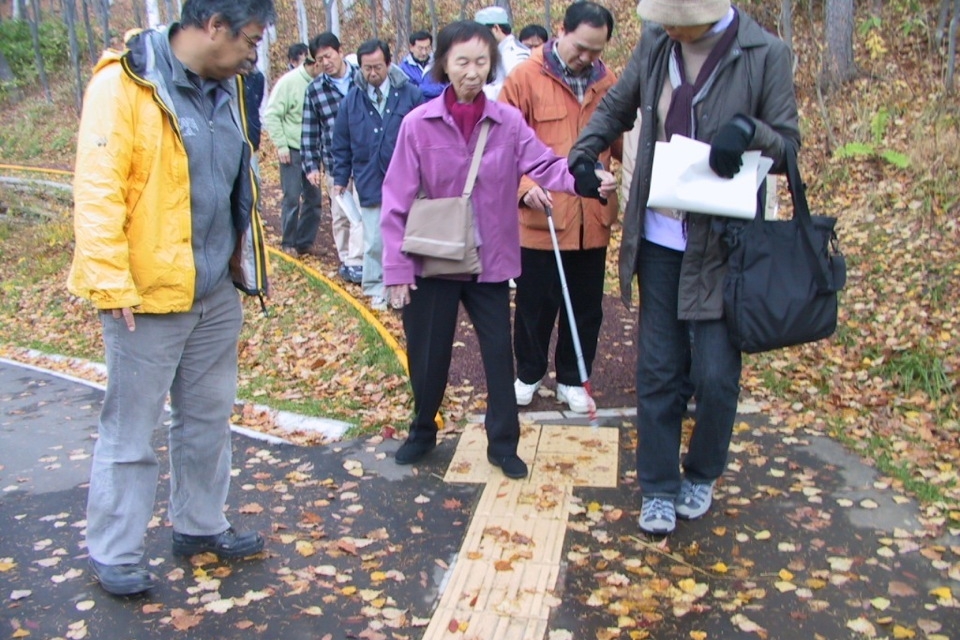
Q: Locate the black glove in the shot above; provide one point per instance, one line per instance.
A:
(585, 181)
(729, 144)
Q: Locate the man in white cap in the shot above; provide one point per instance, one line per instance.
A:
(512, 52)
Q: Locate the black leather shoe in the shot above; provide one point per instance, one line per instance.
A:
(413, 450)
(122, 579)
(511, 465)
(228, 544)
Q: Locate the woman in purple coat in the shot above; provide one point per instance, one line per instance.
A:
(433, 156)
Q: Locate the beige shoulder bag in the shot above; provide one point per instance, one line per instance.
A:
(441, 230)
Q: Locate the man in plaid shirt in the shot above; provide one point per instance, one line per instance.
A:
(320, 105)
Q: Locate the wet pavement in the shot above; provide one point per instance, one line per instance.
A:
(803, 541)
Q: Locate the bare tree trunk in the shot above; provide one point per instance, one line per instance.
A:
(171, 16)
(941, 29)
(104, 6)
(91, 45)
(333, 16)
(302, 23)
(404, 27)
(17, 10)
(37, 56)
(153, 13)
(786, 22)
(374, 22)
(952, 46)
(70, 15)
(463, 9)
(6, 76)
(506, 5)
(432, 7)
(838, 64)
(547, 17)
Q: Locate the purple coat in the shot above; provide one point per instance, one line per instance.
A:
(431, 154)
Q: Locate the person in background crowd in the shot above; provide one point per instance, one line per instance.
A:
(532, 36)
(702, 69)
(320, 105)
(418, 63)
(433, 155)
(364, 135)
(511, 53)
(163, 270)
(283, 119)
(557, 90)
(296, 54)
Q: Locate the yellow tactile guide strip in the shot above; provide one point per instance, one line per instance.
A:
(502, 585)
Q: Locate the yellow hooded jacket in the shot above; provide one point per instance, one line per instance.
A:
(132, 195)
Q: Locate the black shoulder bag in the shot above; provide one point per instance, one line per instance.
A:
(783, 276)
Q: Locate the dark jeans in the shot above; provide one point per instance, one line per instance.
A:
(430, 322)
(298, 222)
(664, 353)
(539, 300)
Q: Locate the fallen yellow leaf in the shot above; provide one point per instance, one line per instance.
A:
(943, 593)
(305, 548)
(903, 632)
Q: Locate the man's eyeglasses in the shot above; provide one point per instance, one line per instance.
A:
(253, 44)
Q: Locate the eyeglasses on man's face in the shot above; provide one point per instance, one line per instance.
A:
(253, 44)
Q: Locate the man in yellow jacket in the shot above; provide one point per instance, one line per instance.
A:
(167, 230)
(557, 89)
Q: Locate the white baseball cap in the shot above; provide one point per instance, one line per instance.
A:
(492, 15)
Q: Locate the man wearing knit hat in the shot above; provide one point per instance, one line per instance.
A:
(512, 52)
(703, 70)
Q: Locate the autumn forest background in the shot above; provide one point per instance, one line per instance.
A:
(880, 120)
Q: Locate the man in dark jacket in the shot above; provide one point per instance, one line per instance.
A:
(704, 70)
(364, 135)
(418, 65)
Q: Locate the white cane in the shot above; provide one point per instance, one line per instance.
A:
(571, 320)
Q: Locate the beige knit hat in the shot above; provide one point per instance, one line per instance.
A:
(683, 13)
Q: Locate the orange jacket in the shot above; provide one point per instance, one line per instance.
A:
(550, 107)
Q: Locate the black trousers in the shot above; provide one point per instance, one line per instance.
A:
(539, 300)
(430, 322)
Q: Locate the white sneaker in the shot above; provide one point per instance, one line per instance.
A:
(657, 516)
(694, 499)
(525, 391)
(378, 303)
(575, 397)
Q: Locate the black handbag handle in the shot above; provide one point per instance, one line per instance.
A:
(801, 213)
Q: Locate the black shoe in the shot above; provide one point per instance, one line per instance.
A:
(511, 465)
(228, 544)
(413, 450)
(122, 579)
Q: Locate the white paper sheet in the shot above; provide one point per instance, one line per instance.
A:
(682, 179)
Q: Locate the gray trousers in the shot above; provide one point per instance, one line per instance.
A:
(300, 207)
(193, 355)
(372, 253)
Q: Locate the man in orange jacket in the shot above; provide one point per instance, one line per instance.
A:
(557, 89)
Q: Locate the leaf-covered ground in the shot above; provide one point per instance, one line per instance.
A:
(881, 153)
